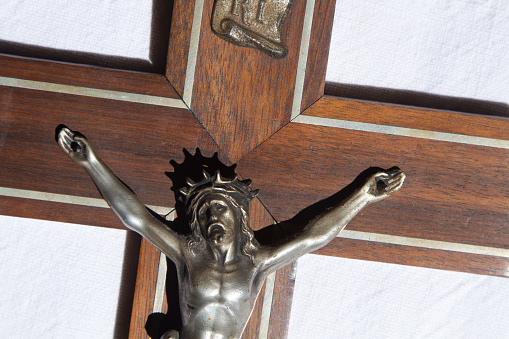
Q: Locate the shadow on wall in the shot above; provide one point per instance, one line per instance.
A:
(417, 99)
(159, 38)
(127, 285)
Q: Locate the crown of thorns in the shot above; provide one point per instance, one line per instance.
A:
(217, 184)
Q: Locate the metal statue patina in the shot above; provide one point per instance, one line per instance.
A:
(221, 266)
(252, 23)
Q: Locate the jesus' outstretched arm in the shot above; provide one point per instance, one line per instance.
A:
(325, 226)
(123, 202)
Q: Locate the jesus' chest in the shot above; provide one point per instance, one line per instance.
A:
(203, 283)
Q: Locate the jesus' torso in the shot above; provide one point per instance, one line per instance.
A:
(216, 299)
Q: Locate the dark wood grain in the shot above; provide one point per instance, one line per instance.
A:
(180, 38)
(146, 278)
(415, 256)
(282, 302)
(137, 141)
(259, 218)
(241, 95)
(453, 192)
(253, 326)
(318, 54)
(401, 116)
(54, 211)
(410, 98)
(86, 76)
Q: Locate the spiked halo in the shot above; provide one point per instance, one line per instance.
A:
(237, 189)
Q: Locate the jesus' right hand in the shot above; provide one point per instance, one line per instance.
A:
(75, 146)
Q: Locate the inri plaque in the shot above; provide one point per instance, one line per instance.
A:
(252, 23)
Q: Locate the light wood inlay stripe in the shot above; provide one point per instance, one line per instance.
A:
(193, 52)
(402, 131)
(303, 58)
(348, 234)
(92, 92)
(267, 306)
(424, 243)
(161, 276)
(160, 283)
(68, 199)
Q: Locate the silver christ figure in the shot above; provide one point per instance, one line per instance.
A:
(220, 265)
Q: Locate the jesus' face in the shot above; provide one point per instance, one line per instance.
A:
(218, 219)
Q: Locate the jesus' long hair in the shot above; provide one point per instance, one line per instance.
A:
(249, 244)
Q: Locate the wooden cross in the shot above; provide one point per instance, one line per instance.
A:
(271, 118)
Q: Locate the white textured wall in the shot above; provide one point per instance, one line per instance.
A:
(454, 48)
(59, 280)
(106, 27)
(346, 298)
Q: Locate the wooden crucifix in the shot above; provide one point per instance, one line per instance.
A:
(249, 107)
